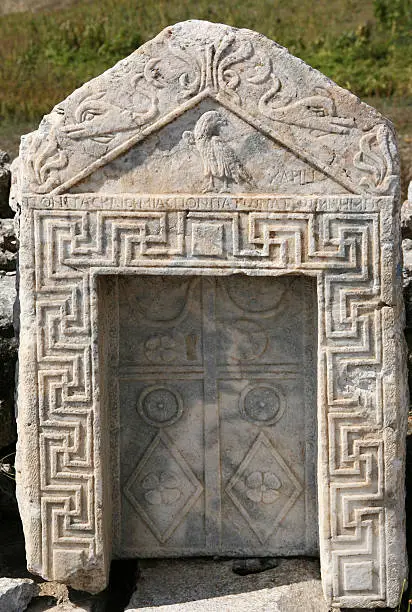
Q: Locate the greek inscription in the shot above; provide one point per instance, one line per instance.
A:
(208, 203)
(297, 176)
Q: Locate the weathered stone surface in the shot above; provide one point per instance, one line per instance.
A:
(406, 224)
(211, 585)
(7, 299)
(16, 594)
(170, 382)
(253, 323)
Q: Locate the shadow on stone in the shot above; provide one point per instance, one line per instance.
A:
(12, 550)
(122, 582)
(244, 567)
(408, 485)
(174, 582)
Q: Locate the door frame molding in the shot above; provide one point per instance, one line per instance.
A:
(64, 417)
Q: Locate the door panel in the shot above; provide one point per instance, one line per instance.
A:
(217, 415)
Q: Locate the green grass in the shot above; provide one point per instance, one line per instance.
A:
(364, 46)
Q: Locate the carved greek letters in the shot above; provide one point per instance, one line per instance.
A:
(262, 403)
(314, 122)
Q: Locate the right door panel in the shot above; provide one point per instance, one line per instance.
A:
(267, 407)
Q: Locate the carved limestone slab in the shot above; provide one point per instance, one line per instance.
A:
(222, 369)
(212, 357)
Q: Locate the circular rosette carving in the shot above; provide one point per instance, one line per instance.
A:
(262, 404)
(262, 487)
(161, 348)
(161, 488)
(160, 406)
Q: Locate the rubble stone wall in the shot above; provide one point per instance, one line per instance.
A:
(8, 341)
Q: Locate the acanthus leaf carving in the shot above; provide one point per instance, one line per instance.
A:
(230, 69)
(261, 72)
(215, 68)
(345, 241)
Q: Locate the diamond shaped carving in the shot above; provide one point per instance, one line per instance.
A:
(162, 488)
(263, 488)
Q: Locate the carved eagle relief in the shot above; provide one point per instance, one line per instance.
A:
(218, 158)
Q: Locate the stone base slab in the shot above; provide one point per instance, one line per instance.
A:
(211, 585)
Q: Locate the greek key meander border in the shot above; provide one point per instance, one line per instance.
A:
(341, 249)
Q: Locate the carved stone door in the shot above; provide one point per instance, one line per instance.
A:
(217, 415)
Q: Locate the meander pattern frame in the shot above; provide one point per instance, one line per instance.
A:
(70, 249)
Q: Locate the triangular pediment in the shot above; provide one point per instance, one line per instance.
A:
(208, 149)
(193, 64)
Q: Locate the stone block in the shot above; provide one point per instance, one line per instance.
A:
(8, 245)
(210, 585)
(16, 594)
(7, 300)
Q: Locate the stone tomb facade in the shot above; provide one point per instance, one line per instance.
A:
(211, 357)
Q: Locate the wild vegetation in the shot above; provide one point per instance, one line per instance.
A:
(364, 46)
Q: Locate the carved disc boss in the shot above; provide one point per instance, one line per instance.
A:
(211, 357)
